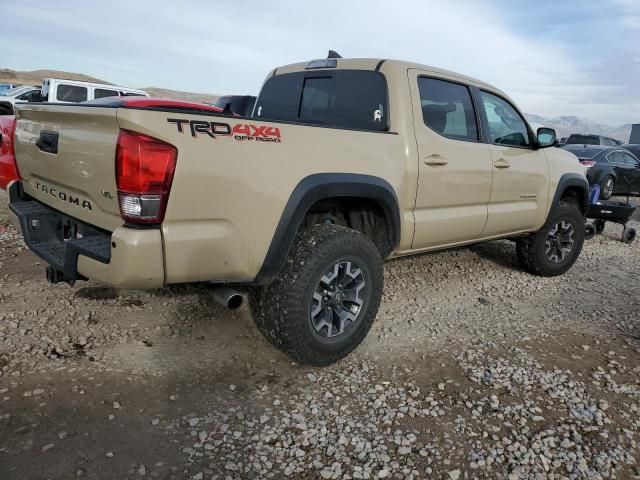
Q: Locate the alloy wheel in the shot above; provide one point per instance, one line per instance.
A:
(608, 188)
(337, 300)
(559, 242)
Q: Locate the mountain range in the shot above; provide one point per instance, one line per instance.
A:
(564, 126)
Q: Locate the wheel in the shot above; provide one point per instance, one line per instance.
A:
(628, 234)
(326, 297)
(599, 224)
(556, 246)
(606, 187)
(589, 231)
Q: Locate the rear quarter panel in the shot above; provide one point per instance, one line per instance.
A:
(229, 193)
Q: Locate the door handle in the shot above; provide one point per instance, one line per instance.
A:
(501, 163)
(435, 159)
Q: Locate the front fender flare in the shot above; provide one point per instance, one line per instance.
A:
(573, 180)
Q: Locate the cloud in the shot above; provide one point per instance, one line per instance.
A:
(222, 47)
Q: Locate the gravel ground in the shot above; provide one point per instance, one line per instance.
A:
(473, 369)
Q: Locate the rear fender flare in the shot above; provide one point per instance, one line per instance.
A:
(318, 187)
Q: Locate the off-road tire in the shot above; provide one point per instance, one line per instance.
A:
(531, 249)
(281, 310)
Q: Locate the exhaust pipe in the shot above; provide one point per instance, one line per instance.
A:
(227, 297)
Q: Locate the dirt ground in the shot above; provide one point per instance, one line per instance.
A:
(473, 369)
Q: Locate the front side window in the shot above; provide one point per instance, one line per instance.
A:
(71, 93)
(102, 93)
(506, 126)
(447, 109)
(355, 99)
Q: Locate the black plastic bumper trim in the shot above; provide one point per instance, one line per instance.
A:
(57, 238)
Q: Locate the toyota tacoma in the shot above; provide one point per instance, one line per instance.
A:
(344, 163)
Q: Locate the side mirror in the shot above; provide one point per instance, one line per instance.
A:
(546, 137)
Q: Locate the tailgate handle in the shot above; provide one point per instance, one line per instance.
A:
(48, 142)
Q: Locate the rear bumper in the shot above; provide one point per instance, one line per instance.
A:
(126, 258)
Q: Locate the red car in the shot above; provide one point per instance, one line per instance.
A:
(8, 168)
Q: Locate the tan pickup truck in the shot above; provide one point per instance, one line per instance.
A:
(344, 163)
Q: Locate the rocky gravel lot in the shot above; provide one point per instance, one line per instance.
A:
(473, 369)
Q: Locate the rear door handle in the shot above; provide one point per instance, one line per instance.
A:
(501, 163)
(435, 159)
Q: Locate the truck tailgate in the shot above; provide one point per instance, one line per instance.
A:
(66, 157)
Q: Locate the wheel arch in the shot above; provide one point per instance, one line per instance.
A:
(572, 184)
(325, 186)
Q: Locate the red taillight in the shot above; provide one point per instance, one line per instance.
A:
(8, 168)
(144, 172)
(588, 163)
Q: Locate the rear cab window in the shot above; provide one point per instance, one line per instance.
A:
(583, 140)
(349, 99)
(71, 93)
(447, 109)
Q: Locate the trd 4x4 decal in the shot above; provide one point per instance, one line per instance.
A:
(240, 131)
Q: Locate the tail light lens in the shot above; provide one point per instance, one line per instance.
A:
(8, 167)
(144, 173)
(587, 164)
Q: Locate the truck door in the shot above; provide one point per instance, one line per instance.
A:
(520, 192)
(454, 173)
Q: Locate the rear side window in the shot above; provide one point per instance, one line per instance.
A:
(447, 109)
(506, 126)
(354, 99)
(616, 157)
(102, 93)
(71, 93)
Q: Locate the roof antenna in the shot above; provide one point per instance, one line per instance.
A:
(334, 54)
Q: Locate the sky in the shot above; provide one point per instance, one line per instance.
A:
(553, 57)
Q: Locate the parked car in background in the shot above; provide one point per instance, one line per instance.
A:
(615, 169)
(581, 139)
(239, 104)
(70, 91)
(6, 86)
